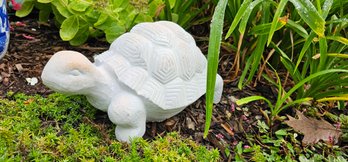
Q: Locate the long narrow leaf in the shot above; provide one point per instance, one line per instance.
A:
(326, 8)
(238, 17)
(323, 53)
(305, 80)
(246, 100)
(310, 15)
(333, 99)
(304, 49)
(245, 18)
(262, 40)
(213, 59)
(297, 28)
(299, 101)
(241, 82)
(338, 39)
(275, 21)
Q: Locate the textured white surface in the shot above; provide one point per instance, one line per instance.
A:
(149, 74)
(161, 62)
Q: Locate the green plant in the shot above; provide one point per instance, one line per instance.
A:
(315, 61)
(183, 12)
(61, 128)
(81, 19)
(213, 59)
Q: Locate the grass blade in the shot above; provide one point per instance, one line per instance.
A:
(299, 101)
(338, 39)
(246, 100)
(275, 21)
(310, 15)
(238, 17)
(323, 53)
(305, 80)
(304, 49)
(245, 18)
(344, 98)
(213, 59)
(326, 8)
(297, 28)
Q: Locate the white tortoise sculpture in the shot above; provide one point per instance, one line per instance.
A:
(149, 74)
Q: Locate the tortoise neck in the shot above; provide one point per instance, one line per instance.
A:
(106, 87)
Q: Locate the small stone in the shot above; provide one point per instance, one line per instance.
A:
(19, 67)
(233, 99)
(169, 123)
(6, 81)
(32, 81)
(190, 123)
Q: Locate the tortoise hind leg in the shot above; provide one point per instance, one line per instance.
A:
(219, 84)
(127, 111)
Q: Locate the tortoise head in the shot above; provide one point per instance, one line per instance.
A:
(69, 72)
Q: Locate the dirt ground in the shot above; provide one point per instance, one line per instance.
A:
(32, 44)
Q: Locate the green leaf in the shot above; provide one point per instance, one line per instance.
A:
(305, 80)
(44, 1)
(263, 29)
(338, 39)
(113, 32)
(326, 8)
(62, 7)
(44, 11)
(276, 19)
(213, 59)
(238, 17)
(310, 15)
(304, 49)
(57, 16)
(281, 132)
(82, 34)
(297, 28)
(102, 18)
(246, 15)
(69, 28)
(298, 101)
(27, 7)
(44, 15)
(79, 6)
(246, 100)
(323, 53)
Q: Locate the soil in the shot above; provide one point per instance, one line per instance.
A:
(33, 43)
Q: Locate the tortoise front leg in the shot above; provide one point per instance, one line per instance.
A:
(127, 111)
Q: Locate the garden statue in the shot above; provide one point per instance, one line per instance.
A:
(148, 74)
(4, 29)
(4, 24)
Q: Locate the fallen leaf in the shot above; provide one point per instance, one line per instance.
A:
(313, 129)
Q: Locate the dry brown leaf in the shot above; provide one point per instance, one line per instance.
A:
(313, 129)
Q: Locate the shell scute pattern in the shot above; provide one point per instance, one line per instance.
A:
(135, 48)
(161, 62)
(180, 32)
(164, 66)
(159, 35)
(187, 60)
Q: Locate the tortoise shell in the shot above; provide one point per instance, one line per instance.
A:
(159, 61)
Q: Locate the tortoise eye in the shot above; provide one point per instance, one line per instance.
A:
(75, 72)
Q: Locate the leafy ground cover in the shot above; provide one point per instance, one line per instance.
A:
(293, 71)
(60, 128)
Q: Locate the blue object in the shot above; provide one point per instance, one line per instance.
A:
(4, 29)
